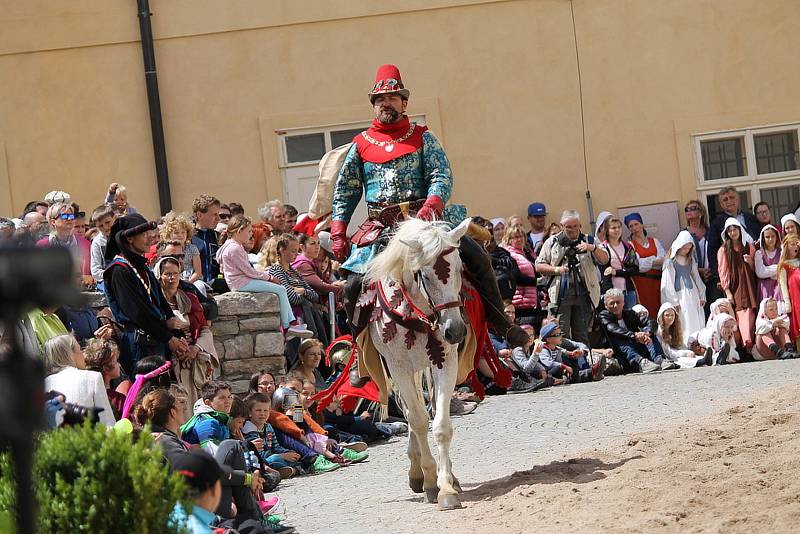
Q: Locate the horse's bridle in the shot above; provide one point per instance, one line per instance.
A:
(431, 321)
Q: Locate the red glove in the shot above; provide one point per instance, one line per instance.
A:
(341, 246)
(432, 209)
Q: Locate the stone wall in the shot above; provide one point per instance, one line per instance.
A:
(246, 334)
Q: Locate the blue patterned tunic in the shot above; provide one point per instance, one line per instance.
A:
(412, 176)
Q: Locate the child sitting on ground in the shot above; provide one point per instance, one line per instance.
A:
(772, 333)
(296, 430)
(350, 430)
(529, 373)
(720, 337)
(566, 359)
(261, 434)
(209, 424)
(670, 332)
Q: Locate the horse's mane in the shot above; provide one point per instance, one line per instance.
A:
(416, 243)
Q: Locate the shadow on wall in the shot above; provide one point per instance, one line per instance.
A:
(575, 470)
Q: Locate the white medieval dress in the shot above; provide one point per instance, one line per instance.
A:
(682, 286)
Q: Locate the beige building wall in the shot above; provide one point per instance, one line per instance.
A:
(498, 82)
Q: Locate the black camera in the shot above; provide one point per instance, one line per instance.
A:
(571, 251)
(75, 414)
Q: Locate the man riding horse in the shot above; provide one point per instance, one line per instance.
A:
(402, 170)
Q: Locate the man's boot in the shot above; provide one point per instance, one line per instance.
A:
(479, 266)
(352, 290)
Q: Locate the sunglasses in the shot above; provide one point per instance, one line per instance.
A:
(691, 208)
(66, 216)
(224, 216)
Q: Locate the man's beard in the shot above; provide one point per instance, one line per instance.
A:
(388, 115)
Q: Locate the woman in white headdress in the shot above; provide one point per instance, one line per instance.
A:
(670, 332)
(682, 286)
(735, 259)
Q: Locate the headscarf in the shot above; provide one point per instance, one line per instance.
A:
(602, 217)
(683, 238)
(714, 309)
(789, 217)
(661, 311)
(777, 241)
(664, 307)
(498, 220)
(765, 325)
(183, 301)
(733, 221)
(719, 322)
(641, 311)
(635, 216)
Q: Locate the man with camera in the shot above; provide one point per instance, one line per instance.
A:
(569, 258)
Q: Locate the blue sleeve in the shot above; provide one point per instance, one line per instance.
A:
(436, 167)
(209, 429)
(349, 186)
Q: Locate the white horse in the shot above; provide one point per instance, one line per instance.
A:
(418, 281)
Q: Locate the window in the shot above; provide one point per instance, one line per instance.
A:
(342, 137)
(776, 152)
(761, 162)
(781, 200)
(309, 147)
(724, 158)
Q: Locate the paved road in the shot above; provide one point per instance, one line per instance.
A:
(515, 433)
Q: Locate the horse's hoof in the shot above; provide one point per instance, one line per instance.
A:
(416, 484)
(449, 501)
(457, 485)
(431, 494)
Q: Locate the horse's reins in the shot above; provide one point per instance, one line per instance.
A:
(432, 320)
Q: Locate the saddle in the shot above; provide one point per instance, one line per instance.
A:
(382, 216)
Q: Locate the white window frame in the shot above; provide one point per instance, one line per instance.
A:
(752, 177)
(283, 156)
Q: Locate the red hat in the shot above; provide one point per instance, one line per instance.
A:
(388, 80)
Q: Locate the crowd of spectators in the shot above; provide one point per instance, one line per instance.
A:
(611, 301)
(720, 293)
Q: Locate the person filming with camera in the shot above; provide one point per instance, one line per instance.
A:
(569, 258)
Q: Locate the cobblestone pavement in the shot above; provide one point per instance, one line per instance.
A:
(515, 433)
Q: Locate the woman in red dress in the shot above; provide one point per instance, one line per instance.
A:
(789, 279)
(651, 257)
(737, 277)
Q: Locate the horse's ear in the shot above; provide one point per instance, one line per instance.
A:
(458, 232)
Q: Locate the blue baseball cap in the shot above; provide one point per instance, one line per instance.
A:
(537, 208)
(548, 329)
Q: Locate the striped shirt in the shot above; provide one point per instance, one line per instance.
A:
(291, 279)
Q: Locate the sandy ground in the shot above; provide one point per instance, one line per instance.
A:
(737, 471)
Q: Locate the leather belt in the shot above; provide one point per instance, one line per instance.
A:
(388, 214)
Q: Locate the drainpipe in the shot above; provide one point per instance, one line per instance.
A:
(154, 102)
(590, 207)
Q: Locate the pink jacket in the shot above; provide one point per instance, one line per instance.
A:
(236, 267)
(525, 296)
